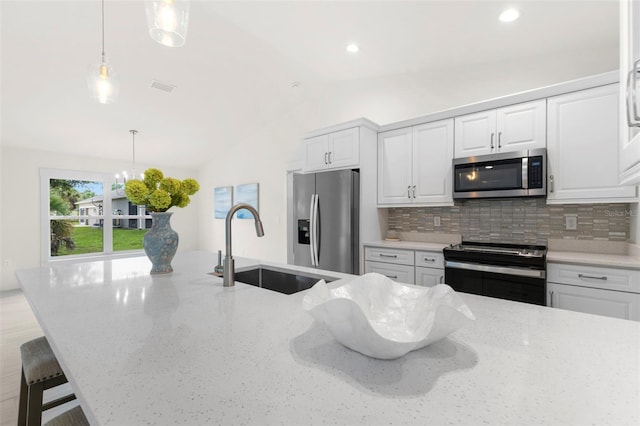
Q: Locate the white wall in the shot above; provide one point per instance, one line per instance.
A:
(20, 209)
(263, 157)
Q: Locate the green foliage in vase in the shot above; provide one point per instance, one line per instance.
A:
(159, 193)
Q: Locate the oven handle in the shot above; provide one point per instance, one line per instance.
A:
(521, 272)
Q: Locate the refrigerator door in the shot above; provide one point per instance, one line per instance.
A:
(338, 204)
(303, 191)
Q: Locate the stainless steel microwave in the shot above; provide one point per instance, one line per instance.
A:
(509, 174)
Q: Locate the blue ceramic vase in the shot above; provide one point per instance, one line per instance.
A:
(161, 243)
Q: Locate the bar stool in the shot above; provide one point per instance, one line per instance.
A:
(73, 417)
(40, 371)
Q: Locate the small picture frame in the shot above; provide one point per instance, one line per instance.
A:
(223, 200)
(247, 193)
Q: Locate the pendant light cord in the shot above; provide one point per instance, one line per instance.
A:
(103, 31)
(133, 135)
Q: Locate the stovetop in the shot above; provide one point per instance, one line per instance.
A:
(497, 254)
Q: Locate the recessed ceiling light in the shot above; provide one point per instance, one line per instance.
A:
(353, 48)
(509, 15)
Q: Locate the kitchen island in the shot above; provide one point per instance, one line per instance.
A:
(182, 349)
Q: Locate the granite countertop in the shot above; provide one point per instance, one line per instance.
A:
(180, 348)
(594, 259)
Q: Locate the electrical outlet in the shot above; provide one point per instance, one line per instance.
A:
(436, 221)
(571, 223)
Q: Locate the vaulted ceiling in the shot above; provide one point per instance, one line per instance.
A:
(240, 60)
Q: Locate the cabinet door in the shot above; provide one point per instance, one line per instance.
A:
(475, 134)
(344, 148)
(394, 167)
(629, 152)
(581, 148)
(522, 126)
(617, 304)
(316, 153)
(429, 277)
(398, 273)
(432, 155)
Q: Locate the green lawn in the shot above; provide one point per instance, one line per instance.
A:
(88, 239)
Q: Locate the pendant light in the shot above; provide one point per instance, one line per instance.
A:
(103, 80)
(168, 21)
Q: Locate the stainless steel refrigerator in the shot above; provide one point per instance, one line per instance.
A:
(325, 215)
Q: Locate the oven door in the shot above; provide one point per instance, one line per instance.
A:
(503, 282)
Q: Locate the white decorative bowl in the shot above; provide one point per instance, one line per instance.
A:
(384, 319)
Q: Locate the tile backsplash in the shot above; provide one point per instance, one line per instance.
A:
(516, 220)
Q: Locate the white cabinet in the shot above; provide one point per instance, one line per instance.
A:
(398, 273)
(595, 290)
(511, 128)
(414, 165)
(332, 151)
(425, 268)
(629, 145)
(581, 150)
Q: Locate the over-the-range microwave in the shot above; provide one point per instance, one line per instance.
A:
(510, 174)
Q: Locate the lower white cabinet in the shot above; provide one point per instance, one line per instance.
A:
(617, 304)
(425, 268)
(399, 273)
(429, 277)
(612, 292)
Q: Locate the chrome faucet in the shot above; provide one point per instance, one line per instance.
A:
(229, 274)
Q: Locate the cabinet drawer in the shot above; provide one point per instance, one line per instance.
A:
(430, 259)
(594, 277)
(429, 277)
(616, 304)
(401, 257)
(399, 273)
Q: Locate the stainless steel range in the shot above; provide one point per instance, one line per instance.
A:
(506, 271)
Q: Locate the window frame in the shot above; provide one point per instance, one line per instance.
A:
(107, 216)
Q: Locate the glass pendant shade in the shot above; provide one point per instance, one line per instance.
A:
(103, 82)
(168, 21)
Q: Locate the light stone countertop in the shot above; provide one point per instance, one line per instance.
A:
(180, 348)
(408, 245)
(594, 259)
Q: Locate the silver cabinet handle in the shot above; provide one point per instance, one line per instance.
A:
(427, 259)
(492, 140)
(393, 256)
(329, 157)
(393, 277)
(409, 191)
(441, 279)
(325, 158)
(414, 191)
(550, 183)
(499, 137)
(603, 278)
(551, 299)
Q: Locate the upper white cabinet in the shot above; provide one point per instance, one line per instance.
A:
(629, 152)
(581, 148)
(511, 128)
(335, 150)
(414, 165)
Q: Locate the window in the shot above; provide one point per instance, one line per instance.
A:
(85, 214)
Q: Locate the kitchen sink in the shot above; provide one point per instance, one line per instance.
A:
(282, 281)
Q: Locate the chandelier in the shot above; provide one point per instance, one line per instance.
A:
(120, 183)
